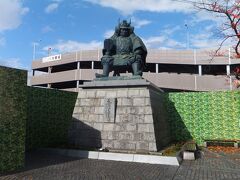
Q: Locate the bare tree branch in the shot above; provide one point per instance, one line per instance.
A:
(230, 9)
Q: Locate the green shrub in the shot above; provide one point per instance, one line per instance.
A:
(49, 115)
(13, 113)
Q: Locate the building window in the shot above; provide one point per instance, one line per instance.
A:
(150, 67)
(214, 70)
(64, 67)
(86, 65)
(64, 85)
(178, 68)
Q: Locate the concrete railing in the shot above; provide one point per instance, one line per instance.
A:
(154, 56)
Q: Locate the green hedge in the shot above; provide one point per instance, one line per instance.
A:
(49, 115)
(13, 113)
(43, 116)
(204, 115)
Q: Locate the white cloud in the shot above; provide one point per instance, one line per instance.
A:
(47, 29)
(12, 62)
(154, 42)
(138, 23)
(11, 14)
(69, 46)
(129, 6)
(108, 33)
(51, 7)
(201, 16)
(162, 42)
(206, 39)
(171, 43)
(169, 30)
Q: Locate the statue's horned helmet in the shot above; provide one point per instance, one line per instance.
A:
(122, 25)
(125, 25)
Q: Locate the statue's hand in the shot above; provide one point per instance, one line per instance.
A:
(135, 58)
(130, 61)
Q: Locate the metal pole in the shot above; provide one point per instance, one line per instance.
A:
(35, 44)
(195, 56)
(49, 51)
(34, 50)
(187, 45)
(229, 56)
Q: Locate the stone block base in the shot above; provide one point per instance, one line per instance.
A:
(126, 117)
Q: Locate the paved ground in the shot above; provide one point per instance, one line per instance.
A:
(48, 166)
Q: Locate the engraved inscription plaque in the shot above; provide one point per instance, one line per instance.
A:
(110, 109)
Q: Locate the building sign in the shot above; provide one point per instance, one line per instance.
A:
(51, 58)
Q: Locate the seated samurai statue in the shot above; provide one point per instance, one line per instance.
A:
(123, 50)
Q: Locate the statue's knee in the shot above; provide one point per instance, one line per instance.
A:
(136, 67)
(107, 60)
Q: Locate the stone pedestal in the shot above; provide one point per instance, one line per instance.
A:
(120, 115)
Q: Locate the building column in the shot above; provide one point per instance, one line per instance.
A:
(195, 83)
(49, 70)
(157, 68)
(92, 64)
(33, 72)
(228, 70)
(200, 70)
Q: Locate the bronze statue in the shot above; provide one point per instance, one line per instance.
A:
(123, 50)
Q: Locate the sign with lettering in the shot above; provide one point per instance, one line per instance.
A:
(110, 109)
(51, 58)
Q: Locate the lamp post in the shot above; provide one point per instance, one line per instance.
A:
(34, 50)
(49, 51)
(187, 44)
(35, 44)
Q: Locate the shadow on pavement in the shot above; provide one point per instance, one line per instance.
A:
(39, 159)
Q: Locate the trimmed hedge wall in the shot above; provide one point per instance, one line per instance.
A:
(204, 115)
(13, 112)
(49, 116)
(43, 116)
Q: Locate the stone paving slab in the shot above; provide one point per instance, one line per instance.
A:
(40, 166)
(212, 166)
(94, 169)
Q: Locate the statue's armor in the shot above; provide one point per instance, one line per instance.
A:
(124, 49)
(124, 52)
(123, 45)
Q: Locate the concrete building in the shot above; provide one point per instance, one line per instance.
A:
(172, 70)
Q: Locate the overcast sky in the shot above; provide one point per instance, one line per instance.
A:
(71, 25)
